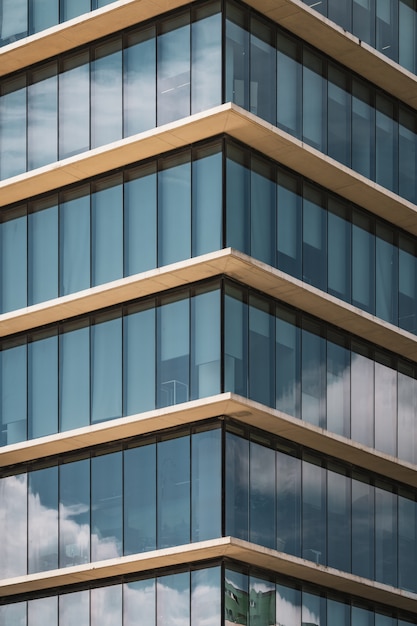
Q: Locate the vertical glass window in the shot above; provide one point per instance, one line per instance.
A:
(362, 617)
(139, 499)
(74, 241)
(43, 251)
(288, 473)
(339, 250)
(237, 487)
(173, 600)
(173, 493)
(407, 284)
(13, 526)
(261, 602)
(43, 14)
(74, 376)
(314, 238)
(236, 599)
(207, 200)
(238, 198)
(363, 18)
(139, 359)
(314, 101)
(139, 599)
(262, 70)
(107, 230)
(289, 72)
(13, 114)
(237, 56)
(173, 71)
(313, 609)
(74, 105)
(263, 210)
(43, 117)
(206, 57)
(407, 541)
(313, 375)
(386, 149)
(106, 606)
(74, 513)
(235, 341)
(407, 153)
(262, 505)
(174, 209)
(338, 613)
(340, 12)
(385, 405)
(106, 368)
(363, 525)
(140, 233)
(407, 35)
(14, 259)
(173, 366)
(338, 519)
(42, 385)
(363, 262)
(314, 511)
(362, 129)
(362, 395)
(14, 614)
(139, 81)
(338, 385)
(338, 115)
(288, 605)
(206, 597)
(407, 413)
(206, 478)
(205, 346)
(106, 509)
(106, 94)
(13, 397)
(43, 521)
(42, 611)
(385, 535)
(387, 27)
(14, 22)
(74, 608)
(289, 225)
(74, 8)
(288, 359)
(386, 274)
(261, 355)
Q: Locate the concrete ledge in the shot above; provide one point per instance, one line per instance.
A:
(292, 14)
(225, 119)
(226, 404)
(228, 547)
(228, 262)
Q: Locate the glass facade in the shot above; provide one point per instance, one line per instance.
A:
(173, 208)
(390, 26)
(157, 352)
(158, 73)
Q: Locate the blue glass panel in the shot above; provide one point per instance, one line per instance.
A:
(206, 597)
(73, 8)
(340, 12)
(139, 359)
(74, 241)
(261, 355)
(288, 605)
(206, 60)
(288, 474)
(338, 386)
(139, 599)
(289, 238)
(205, 346)
(262, 505)
(206, 477)
(43, 521)
(338, 521)
(14, 260)
(363, 19)
(386, 148)
(43, 14)
(42, 386)
(74, 377)
(13, 114)
(363, 262)
(74, 104)
(106, 605)
(362, 395)
(363, 529)
(13, 525)
(43, 611)
(207, 200)
(314, 238)
(174, 209)
(387, 27)
(139, 499)
(363, 122)
(386, 274)
(338, 613)
(289, 101)
(13, 614)
(237, 487)
(407, 34)
(235, 341)
(237, 56)
(43, 251)
(74, 608)
(173, 504)
(362, 617)
(262, 70)
(407, 154)
(407, 542)
(338, 114)
(288, 360)
(237, 198)
(313, 378)
(173, 600)
(74, 513)
(385, 405)
(106, 509)
(107, 231)
(43, 117)
(407, 284)
(140, 235)
(263, 210)
(13, 396)
(314, 101)
(313, 612)
(14, 22)
(106, 369)
(139, 96)
(339, 250)
(173, 70)
(314, 512)
(385, 536)
(106, 93)
(407, 414)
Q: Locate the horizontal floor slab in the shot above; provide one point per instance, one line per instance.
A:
(227, 262)
(292, 14)
(226, 404)
(228, 547)
(225, 119)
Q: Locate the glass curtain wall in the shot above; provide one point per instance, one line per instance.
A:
(152, 494)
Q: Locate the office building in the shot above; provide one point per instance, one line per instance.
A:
(208, 313)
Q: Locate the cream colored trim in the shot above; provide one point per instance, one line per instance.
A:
(232, 405)
(292, 14)
(236, 122)
(229, 262)
(228, 547)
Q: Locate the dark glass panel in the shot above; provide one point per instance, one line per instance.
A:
(139, 81)
(43, 521)
(14, 20)
(387, 27)
(407, 541)
(43, 14)
(262, 70)
(74, 241)
(288, 504)
(139, 500)
(106, 510)
(314, 100)
(42, 385)
(363, 123)
(206, 57)
(314, 512)
(43, 116)
(289, 225)
(386, 148)
(338, 385)
(385, 535)
(289, 72)
(173, 493)
(407, 284)
(313, 611)
(363, 528)
(407, 35)
(207, 199)
(338, 521)
(205, 346)
(385, 405)
(386, 274)
(235, 341)
(339, 249)
(261, 353)
(407, 153)
(313, 375)
(362, 617)
(74, 513)
(74, 104)
(314, 238)
(364, 20)
(140, 215)
(237, 55)
(173, 69)
(263, 210)
(363, 262)
(74, 8)
(237, 487)
(206, 489)
(338, 114)
(338, 613)
(340, 12)
(288, 361)
(238, 198)
(262, 504)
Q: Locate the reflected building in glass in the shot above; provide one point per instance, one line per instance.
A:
(208, 313)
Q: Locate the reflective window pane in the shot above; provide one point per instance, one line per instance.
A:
(106, 94)
(139, 95)
(74, 513)
(139, 500)
(43, 522)
(106, 514)
(13, 525)
(206, 479)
